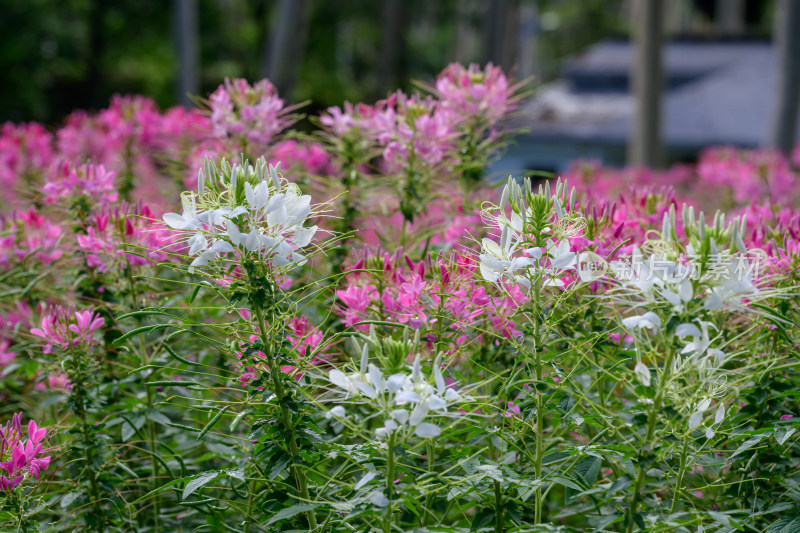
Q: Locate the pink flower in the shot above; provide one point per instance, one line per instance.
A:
(64, 328)
(24, 454)
(252, 113)
(513, 410)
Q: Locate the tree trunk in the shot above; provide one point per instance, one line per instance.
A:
(644, 148)
(186, 43)
(787, 64)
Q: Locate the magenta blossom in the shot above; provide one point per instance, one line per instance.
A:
(64, 328)
(21, 457)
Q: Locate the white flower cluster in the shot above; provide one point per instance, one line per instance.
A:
(510, 260)
(248, 209)
(404, 399)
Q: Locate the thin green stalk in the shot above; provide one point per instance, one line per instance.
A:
(151, 435)
(651, 425)
(294, 451)
(681, 472)
(426, 514)
(498, 508)
(387, 518)
(80, 405)
(539, 404)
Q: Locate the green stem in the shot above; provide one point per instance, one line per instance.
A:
(498, 508)
(539, 404)
(387, 518)
(651, 426)
(280, 394)
(88, 445)
(426, 514)
(151, 427)
(681, 473)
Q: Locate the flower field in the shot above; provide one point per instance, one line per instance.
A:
(241, 319)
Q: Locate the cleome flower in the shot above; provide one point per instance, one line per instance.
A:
(534, 240)
(245, 210)
(20, 457)
(64, 328)
(405, 400)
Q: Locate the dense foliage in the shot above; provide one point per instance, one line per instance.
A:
(342, 331)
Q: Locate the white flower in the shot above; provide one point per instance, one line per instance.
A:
(648, 320)
(642, 373)
(700, 343)
(406, 399)
(268, 221)
(211, 254)
(680, 298)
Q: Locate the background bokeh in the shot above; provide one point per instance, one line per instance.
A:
(61, 55)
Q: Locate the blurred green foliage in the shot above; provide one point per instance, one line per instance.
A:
(61, 55)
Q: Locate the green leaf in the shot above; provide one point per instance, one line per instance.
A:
(782, 434)
(749, 443)
(198, 482)
(482, 519)
(786, 524)
(279, 466)
(567, 483)
(608, 520)
(291, 511)
(588, 468)
(619, 484)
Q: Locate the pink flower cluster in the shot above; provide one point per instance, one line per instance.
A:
(477, 93)
(304, 338)
(20, 457)
(88, 180)
(253, 113)
(25, 150)
(309, 157)
(749, 174)
(420, 133)
(64, 328)
(442, 298)
(27, 235)
(128, 234)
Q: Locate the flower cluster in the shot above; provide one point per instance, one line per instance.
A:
(253, 113)
(404, 399)
(21, 457)
(475, 92)
(87, 180)
(246, 209)
(65, 328)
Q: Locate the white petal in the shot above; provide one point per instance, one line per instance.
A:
(337, 412)
(378, 499)
(375, 377)
(687, 330)
(452, 396)
(401, 415)
(302, 236)
(652, 318)
(427, 430)
(405, 396)
(642, 373)
(436, 403)
(710, 433)
(719, 416)
(418, 414)
(695, 420)
(366, 390)
(395, 382)
(338, 378)
(369, 476)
